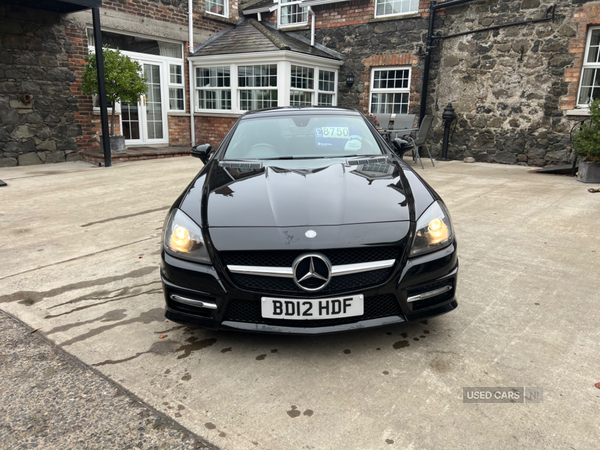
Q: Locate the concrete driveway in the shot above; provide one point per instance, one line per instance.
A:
(80, 255)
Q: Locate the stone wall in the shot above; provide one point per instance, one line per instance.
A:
(34, 65)
(510, 87)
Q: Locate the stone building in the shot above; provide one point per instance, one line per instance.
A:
(519, 73)
(44, 117)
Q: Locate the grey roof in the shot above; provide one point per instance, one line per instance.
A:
(251, 36)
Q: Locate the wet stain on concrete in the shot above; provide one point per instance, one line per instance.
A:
(210, 425)
(424, 322)
(378, 348)
(148, 211)
(416, 339)
(153, 315)
(347, 351)
(404, 335)
(389, 441)
(385, 372)
(274, 350)
(422, 337)
(441, 365)
(425, 331)
(389, 333)
(222, 434)
(157, 348)
(401, 344)
(167, 372)
(114, 316)
(107, 296)
(111, 316)
(31, 297)
(308, 412)
(186, 377)
(180, 407)
(261, 357)
(293, 412)
(193, 344)
(226, 349)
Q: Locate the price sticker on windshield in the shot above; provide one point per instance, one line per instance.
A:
(335, 132)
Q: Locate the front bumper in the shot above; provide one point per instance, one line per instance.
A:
(195, 294)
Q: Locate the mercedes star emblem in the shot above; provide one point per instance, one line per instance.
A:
(312, 271)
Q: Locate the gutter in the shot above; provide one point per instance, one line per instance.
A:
(191, 70)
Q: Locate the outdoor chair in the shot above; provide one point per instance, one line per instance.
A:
(404, 124)
(418, 141)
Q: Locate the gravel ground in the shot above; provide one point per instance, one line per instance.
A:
(51, 400)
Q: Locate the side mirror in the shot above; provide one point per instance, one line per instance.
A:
(202, 152)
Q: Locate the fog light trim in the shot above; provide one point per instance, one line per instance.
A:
(430, 294)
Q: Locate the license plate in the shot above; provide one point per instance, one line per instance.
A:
(322, 308)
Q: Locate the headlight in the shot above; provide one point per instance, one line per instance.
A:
(434, 230)
(183, 238)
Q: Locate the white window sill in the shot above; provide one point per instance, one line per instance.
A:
(178, 113)
(579, 112)
(409, 15)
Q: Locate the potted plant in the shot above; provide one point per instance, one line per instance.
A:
(124, 83)
(587, 146)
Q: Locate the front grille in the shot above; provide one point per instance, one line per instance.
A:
(342, 283)
(374, 308)
(285, 258)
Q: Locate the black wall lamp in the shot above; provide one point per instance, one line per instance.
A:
(349, 79)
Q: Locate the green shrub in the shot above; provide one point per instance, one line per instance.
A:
(587, 140)
(123, 78)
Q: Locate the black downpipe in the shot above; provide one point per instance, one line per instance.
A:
(101, 87)
(429, 41)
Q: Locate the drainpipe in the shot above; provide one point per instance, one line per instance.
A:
(312, 27)
(191, 69)
(428, 43)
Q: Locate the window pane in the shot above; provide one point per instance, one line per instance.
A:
(176, 99)
(257, 99)
(594, 53)
(293, 14)
(139, 44)
(213, 77)
(325, 99)
(257, 76)
(302, 77)
(389, 103)
(216, 6)
(299, 98)
(214, 99)
(590, 86)
(326, 81)
(175, 72)
(391, 79)
(388, 7)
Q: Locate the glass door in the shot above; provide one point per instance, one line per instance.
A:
(146, 121)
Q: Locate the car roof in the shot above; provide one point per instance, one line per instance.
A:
(286, 110)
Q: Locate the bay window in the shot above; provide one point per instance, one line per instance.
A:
(251, 83)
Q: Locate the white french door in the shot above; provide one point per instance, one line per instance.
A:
(146, 122)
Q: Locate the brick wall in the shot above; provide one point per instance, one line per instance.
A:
(212, 130)
(179, 131)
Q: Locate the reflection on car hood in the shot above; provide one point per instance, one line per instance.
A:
(305, 193)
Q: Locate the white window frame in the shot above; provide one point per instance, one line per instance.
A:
(177, 86)
(588, 66)
(225, 9)
(373, 90)
(284, 61)
(281, 5)
(197, 88)
(256, 88)
(319, 91)
(396, 14)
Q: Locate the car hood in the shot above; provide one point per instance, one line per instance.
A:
(305, 193)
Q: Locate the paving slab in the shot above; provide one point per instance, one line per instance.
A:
(81, 248)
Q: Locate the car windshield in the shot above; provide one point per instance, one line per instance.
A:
(302, 136)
